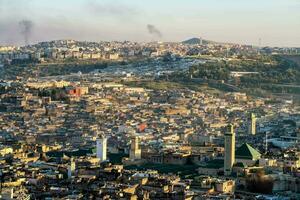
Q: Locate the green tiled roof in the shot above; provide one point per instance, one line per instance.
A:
(247, 152)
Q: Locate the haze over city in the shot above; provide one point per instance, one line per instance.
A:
(275, 22)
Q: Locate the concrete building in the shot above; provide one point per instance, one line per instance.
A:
(229, 150)
(252, 124)
(101, 146)
(225, 186)
(135, 151)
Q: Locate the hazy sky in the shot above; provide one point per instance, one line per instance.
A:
(276, 22)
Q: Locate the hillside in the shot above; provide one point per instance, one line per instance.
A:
(195, 41)
(293, 58)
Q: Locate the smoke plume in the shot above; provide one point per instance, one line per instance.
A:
(26, 30)
(154, 31)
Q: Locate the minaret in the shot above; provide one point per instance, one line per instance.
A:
(135, 151)
(229, 157)
(200, 41)
(71, 168)
(101, 146)
(252, 124)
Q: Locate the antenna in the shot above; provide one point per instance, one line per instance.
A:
(259, 42)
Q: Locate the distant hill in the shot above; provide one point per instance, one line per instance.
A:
(194, 41)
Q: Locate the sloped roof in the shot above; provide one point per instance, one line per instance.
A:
(247, 152)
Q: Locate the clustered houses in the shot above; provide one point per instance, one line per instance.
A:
(49, 131)
(70, 49)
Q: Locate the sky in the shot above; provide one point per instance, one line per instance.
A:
(276, 22)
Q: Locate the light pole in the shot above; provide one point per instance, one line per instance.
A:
(266, 145)
(1, 180)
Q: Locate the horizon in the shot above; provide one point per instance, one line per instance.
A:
(273, 22)
(147, 42)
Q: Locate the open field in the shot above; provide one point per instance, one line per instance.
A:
(170, 85)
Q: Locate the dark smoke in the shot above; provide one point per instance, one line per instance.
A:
(26, 30)
(154, 31)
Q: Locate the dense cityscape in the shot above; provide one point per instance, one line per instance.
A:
(196, 119)
(100, 134)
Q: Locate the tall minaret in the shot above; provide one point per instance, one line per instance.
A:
(101, 145)
(71, 168)
(252, 124)
(135, 151)
(200, 41)
(229, 157)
